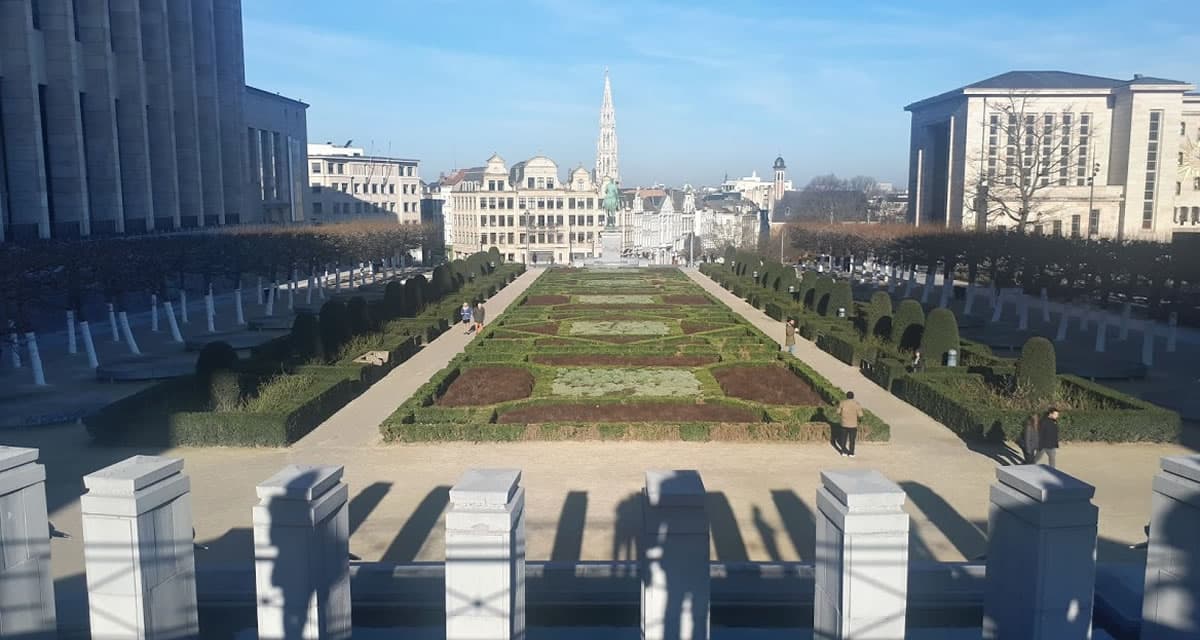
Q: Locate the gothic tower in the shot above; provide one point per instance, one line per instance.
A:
(606, 144)
(780, 176)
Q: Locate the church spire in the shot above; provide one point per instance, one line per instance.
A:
(606, 143)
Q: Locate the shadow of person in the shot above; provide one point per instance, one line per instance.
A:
(961, 532)
(684, 565)
(767, 534)
(627, 526)
(726, 536)
(291, 575)
(798, 522)
(568, 537)
(412, 536)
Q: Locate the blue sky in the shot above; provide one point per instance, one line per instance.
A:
(701, 88)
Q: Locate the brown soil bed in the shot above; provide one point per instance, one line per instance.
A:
(546, 328)
(557, 342)
(649, 412)
(686, 299)
(625, 361)
(621, 339)
(769, 385)
(689, 327)
(616, 307)
(487, 385)
(542, 301)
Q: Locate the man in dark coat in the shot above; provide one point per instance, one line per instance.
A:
(1047, 438)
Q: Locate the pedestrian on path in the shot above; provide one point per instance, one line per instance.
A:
(1048, 438)
(1029, 438)
(789, 336)
(465, 312)
(479, 314)
(849, 412)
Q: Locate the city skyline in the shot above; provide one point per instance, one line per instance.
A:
(701, 90)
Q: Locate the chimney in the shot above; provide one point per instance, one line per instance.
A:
(1137, 76)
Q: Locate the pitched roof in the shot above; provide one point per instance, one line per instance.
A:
(1033, 80)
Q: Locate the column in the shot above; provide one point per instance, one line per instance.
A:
(1171, 608)
(208, 112)
(137, 550)
(26, 584)
(861, 572)
(266, 154)
(302, 554)
(674, 557)
(160, 114)
(1041, 558)
(231, 89)
(25, 173)
(187, 132)
(62, 117)
(100, 119)
(485, 556)
(132, 128)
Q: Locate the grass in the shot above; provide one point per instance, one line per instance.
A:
(1066, 398)
(619, 328)
(597, 382)
(617, 299)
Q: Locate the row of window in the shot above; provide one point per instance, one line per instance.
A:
(357, 169)
(374, 189)
(1151, 169)
(1056, 226)
(347, 208)
(1183, 217)
(536, 238)
(1195, 186)
(538, 221)
(1049, 146)
(494, 202)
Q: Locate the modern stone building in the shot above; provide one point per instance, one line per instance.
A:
(128, 117)
(765, 194)
(1084, 155)
(345, 185)
(276, 144)
(657, 223)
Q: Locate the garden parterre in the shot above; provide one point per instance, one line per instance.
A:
(663, 362)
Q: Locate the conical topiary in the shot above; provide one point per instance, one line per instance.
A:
(877, 319)
(393, 299)
(334, 328)
(840, 297)
(1037, 369)
(306, 336)
(359, 317)
(820, 299)
(940, 336)
(907, 324)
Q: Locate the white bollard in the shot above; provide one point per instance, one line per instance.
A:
(210, 313)
(171, 323)
(72, 345)
(1171, 601)
(89, 347)
(137, 550)
(302, 554)
(308, 290)
(154, 312)
(112, 323)
(123, 320)
(861, 569)
(929, 276)
(238, 310)
(291, 295)
(1148, 343)
(1045, 306)
(183, 308)
(485, 556)
(1063, 317)
(1172, 329)
(673, 557)
(27, 609)
(1101, 334)
(35, 359)
(1041, 556)
(270, 311)
(1126, 314)
(1022, 313)
(997, 307)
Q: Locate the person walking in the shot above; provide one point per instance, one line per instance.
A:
(789, 336)
(465, 312)
(1048, 438)
(479, 314)
(1029, 438)
(849, 412)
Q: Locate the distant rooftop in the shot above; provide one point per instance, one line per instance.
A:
(1040, 80)
(277, 96)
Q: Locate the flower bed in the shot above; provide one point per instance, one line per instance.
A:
(618, 328)
(487, 385)
(766, 384)
(596, 382)
(616, 299)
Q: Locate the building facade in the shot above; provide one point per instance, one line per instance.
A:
(527, 212)
(276, 143)
(763, 193)
(345, 184)
(122, 117)
(1072, 154)
(656, 224)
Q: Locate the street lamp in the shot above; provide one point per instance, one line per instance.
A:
(1092, 188)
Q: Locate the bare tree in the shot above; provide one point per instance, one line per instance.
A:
(1026, 154)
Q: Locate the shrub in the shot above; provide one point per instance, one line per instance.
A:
(840, 297)
(224, 390)
(414, 296)
(358, 316)
(940, 336)
(1037, 369)
(393, 299)
(215, 356)
(306, 336)
(443, 281)
(878, 315)
(334, 329)
(820, 299)
(907, 324)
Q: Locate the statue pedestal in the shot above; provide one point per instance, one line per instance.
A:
(610, 243)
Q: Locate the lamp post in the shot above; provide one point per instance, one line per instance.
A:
(1092, 188)
(528, 238)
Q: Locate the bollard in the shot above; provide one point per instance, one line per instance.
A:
(674, 555)
(26, 583)
(997, 307)
(1172, 329)
(137, 550)
(1041, 557)
(1101, 334)
(302, 554)
(1171, 601)
(485, 556)
(1045, 306)
(861, 573)
(1126, 314)
(952, 358)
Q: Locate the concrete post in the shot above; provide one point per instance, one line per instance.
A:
(485, 556)
(26, 584)
(1045, 306)
(674, 557)
(1126, 313)
(861, 573)
(137, 551)
(1171, 605)
(1061, 334)
(1148, 343)
(1041, 558)
(302, 554)
(997, 307)
(1172, 330)
(1101, 334)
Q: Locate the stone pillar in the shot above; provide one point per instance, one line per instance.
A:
(207, 112)
(302, 554)
(861, 573)
(25, 169)
(100, 119)
(132, 128)
(26, 584)
(1041, 558)
(160, 114)
(137, 551)
(187, 132)
(231, 89)
(66, 175)
(1171, 608)
(485, 556)
(674, 557)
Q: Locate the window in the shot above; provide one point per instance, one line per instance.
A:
(1085, 138)
(316, 208)
(1047, 148)
(316, 167)
(1064, 166)
(316, 188)
(1183, 128)
(37, 14)
(1038, 229)
(1151, 169)
(341, 168)
(549, 183)
(1181, 158)
(1196, 184)
(993, 143)
(1058, 227)
(1075, 220)
(392, 189)
(375, 188)
(330, 167)
(1178, 188)
(571, 219)
(1010, 150)
(1094, 223)
(509, 201)
(571, 205)
(529, 183)
(75, 18)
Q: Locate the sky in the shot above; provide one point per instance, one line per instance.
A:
(701, 89)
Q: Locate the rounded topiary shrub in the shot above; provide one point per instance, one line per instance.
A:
(215, 356)
(940, 336)
(821, 294)
(414, 295)
(877, 317)
(358, 315)
(1037, 369)
(393, 299)
(840, 297)
(224, 390)
(908, 324)
(493, 255)
(334, 325)
(443, 280)
(306, 336)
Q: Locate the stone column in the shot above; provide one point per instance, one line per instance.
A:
(1041, 559)
(302, 554)
(66, 175)
(100, 119)
(208, 112)
(485, 556)
(137, 551)
(861, 573)
(25, 169)
(132, 128)
(26, 584)
(1171, 608)
(231, 89)
(187, 131)
(674, 557)
(160, 114)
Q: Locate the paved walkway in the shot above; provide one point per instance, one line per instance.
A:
(357, 423)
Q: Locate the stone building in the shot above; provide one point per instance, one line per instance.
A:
(1085, 155)
(347, 185)
(657, 222)
(277, 139)
(527, 212)
(765, 194)
(127, 117)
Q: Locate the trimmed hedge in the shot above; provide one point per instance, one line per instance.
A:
(939, 336)
(908, 323)
(1037, 368)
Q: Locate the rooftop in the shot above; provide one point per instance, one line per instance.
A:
(1048, 80)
